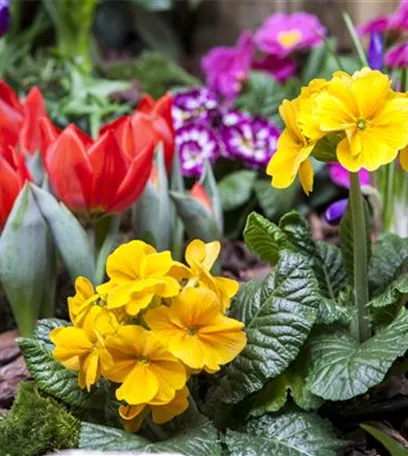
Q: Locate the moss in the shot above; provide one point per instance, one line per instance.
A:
(155, 73)
(36, 425)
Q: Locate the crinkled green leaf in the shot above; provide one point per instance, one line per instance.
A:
(236, 188)
(347, 240)
(288, 434)
(198, 438)
(265, 238)
(51, 376)
(388, 262)
(342, 369)
(292, 383)
(278, 314)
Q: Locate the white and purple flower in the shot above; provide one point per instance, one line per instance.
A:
(251, 139)
(195, 144)
(196, 104)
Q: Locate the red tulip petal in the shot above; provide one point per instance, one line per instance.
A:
(144, 133)
(34, 110)
(9, 97)
(135, 180)
(109, 170)
(86, 140)
(163, 109)
(123, 132)
(9, 189)
(199, 193)
(49, 134)
(70, 170)
(146, 104)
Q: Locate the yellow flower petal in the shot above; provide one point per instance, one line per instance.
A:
(70, 342)
(156, 264)
(306, 176)
(140, 386)
(287, 111)
(163, 413)
(171, 376)
(404, 158)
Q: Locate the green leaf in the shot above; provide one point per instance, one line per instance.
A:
(388, 262)
(274, 202)
(236, 188)
(265, 238)
(342, 369)
(291, 382)
(347, 239)
(278, 314)
(288, 434)
(198, 438)
(68, 235)
(211, 186)
(198, 222)
(51, 376)
(27, 262)
(392, 445)
(315, 61)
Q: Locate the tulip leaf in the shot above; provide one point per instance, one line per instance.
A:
(177, 232)
(51, 376)
(288, 434)
(211, 186)
(27, 262)
(68, 235)
(278, 314)
(236, 188)
(197, 220)
(343, 369)
(347, 239)
(193, 437)
(110, 232)
(391, 444)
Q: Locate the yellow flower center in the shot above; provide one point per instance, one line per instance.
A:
(361, 124)
(289, 38)
(191, 331)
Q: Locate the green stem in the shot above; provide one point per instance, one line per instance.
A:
(361, 326)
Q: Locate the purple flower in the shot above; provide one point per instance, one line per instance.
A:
(4, 16)
(341, 176)
(376, 51)
(397, 57)
(282, 34)
(335, 211)
(233, 117)
(197, 104)
(378, 24)
(195, 144)
(280, 68)
(226, 68)
(252, 139)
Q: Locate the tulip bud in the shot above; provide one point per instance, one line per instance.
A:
(376, 51)
(199, 193)
(335, 212)
(4, 16)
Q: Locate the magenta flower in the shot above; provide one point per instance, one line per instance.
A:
(280, 68)
(341, 176)
(379, 24)
(226, 68)
(196, 104)
(282, 34)
(399, 19)
(397, 57)
(195, 144)
(251, 139)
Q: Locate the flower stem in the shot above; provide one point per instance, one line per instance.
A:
(361, 326)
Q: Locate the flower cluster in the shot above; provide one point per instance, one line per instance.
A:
(279, 38)
(150, 327)
(361, 114)
(92, 177)
(206, 131)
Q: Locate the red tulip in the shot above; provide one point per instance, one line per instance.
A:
(20, 120)
(96, 177)
(199, 193)
(160, 113)
(13, 175)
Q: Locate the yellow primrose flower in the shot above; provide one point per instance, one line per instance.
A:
(372, 116)
(138, 273)
(146, 370)
(196, 332)
(85, 298)
(133, 415)
(293, 150)
(81, 348)
(201, 258)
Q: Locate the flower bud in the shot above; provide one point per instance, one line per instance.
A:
(335, 212)
(376, 51)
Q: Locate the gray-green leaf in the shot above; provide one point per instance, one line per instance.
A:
(235, 189)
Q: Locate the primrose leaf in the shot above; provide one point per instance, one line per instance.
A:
(289, 434)
(51, 376)
(342, 369)
(235, 189)
(278, 314)
(193, 439)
